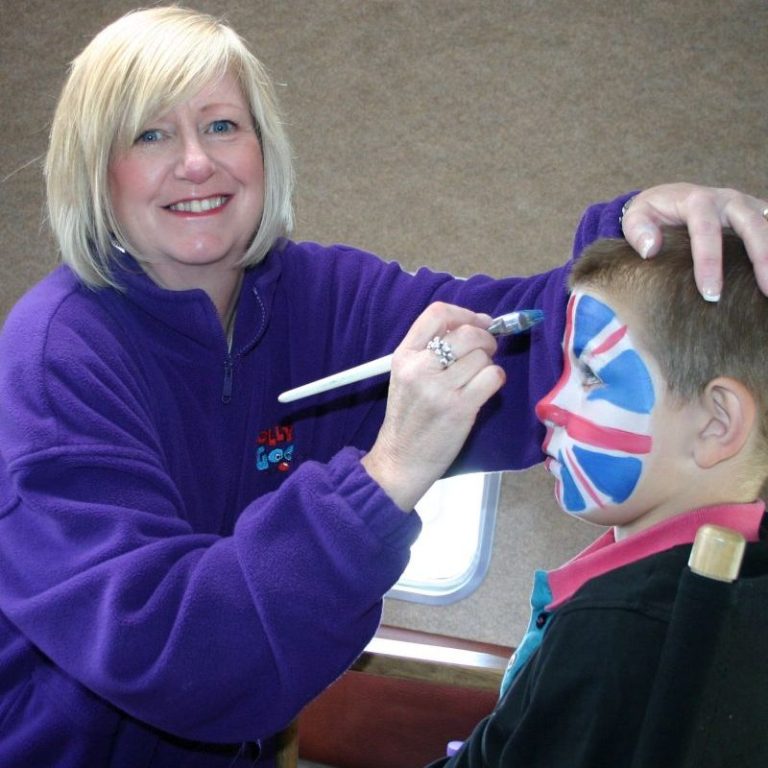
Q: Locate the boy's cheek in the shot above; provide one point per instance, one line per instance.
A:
(588, 481)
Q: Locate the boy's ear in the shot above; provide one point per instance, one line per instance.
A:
(728, 414)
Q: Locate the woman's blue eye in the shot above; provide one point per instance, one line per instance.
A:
(148, 137)
(221, 126)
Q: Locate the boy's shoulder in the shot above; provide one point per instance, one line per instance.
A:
(647, 585)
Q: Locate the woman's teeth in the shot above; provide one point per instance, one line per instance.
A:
(198, 206)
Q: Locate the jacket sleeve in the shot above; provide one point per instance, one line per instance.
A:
(211, 637)
(369, 307)
(600, 220)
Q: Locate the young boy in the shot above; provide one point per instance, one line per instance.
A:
(657, 426)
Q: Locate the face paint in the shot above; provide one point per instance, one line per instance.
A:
(598, 415)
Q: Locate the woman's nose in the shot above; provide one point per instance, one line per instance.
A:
(195, 163)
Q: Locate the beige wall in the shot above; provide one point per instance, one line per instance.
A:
(465, 135)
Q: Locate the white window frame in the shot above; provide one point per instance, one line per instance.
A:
(447, 501)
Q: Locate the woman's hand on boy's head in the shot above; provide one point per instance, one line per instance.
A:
(705, 211)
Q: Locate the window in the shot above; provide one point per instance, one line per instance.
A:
(452, 554)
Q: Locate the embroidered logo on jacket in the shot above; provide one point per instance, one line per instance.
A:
(274, 448)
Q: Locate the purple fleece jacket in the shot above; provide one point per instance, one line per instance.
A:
(185, 562)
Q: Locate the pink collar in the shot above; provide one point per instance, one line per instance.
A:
(607, 554)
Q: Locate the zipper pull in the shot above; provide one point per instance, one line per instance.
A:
(226, 392)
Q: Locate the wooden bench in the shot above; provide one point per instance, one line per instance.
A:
(410, 693)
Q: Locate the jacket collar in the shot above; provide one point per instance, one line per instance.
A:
(192, 313)
(607, 554)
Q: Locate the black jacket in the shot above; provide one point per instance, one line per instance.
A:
(589, 696)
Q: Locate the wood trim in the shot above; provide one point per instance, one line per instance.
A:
(287, 752)
(407, 654)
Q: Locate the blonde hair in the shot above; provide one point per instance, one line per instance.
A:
(135, 69)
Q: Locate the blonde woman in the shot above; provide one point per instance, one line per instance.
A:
(184, 561)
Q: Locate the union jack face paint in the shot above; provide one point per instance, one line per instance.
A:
(598, 416)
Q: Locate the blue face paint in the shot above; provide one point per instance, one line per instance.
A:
(599, 414)
(627, 366)
(613, 476)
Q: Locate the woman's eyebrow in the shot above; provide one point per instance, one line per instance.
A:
(219, 104)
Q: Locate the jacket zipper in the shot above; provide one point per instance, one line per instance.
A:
(226, 392)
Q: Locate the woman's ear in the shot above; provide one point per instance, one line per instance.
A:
(728, 415)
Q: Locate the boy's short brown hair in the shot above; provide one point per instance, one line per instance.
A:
(692, 340)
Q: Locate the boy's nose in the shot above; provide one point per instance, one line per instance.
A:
(549, 413)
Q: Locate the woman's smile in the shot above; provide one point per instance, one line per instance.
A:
(200, 206)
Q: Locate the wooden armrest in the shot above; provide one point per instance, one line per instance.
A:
(412, 655)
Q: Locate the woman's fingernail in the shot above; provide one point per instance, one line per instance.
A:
(711, 294)
(646, 243)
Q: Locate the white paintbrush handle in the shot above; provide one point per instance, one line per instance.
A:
(358, 373)
(513, 322)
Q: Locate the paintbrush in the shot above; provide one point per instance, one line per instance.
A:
(514, 322)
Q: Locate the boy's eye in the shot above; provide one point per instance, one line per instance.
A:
(221, 126)
(588, 377)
